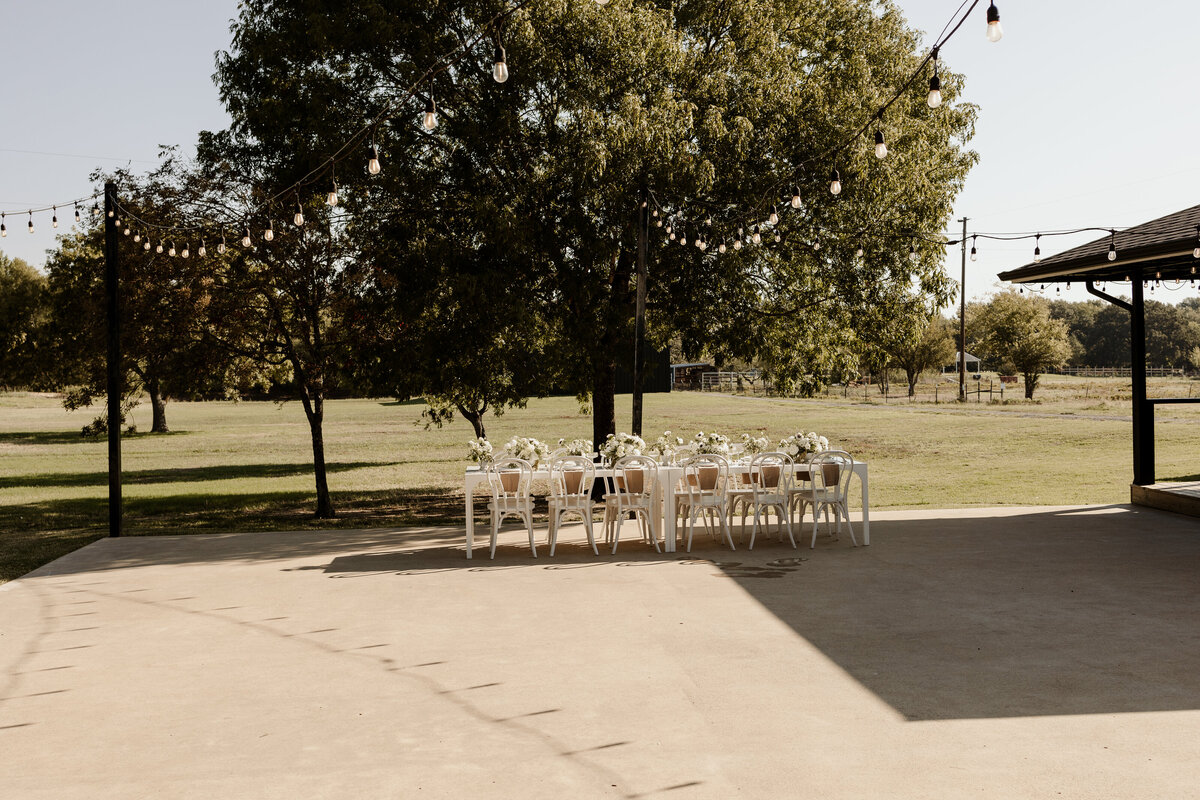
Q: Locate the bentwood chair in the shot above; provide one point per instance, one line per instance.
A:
(634, 484)
(830, 472)
(571, 479)
(510, 480)
(704, 494)
(771, 475)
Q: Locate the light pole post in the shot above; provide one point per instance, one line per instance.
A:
(962, 321)
(112, 310)
(639, 326)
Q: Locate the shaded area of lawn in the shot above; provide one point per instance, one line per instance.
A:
(180, 474)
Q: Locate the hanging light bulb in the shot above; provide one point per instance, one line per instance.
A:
(1037, 249)
(737, 244)
(185, 252)
(778, 238)
(298, 219)
(683, 238)
(835, 183)
(54, 219)
(974, 252)
(499, 68)
(3, 228)
(672, 236)
(372, 164)
(721, 247)
(658, 223)
(429, 121)
(137, 237)
(111, 214)
(655, 213)
(146, 246)
(203, 251)
(171, 250)
(1196, 251)
(332, 199)
(1112, 246)
(756, 237)
(935, 84)
(880, 146)
(269, 233)
(31, 222)
(221, 246)
(77, 212)
(994, 32)
(774, 218)
(796, 198)
(912, 251)
(703, 245)
(95, 210)
(128, 231)
(816, 244)
(116, 222)
(246, 238)
(858, 253)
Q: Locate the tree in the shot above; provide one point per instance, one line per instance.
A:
(22, 313)
(933, 347)
(1017, 332)
(705, 110)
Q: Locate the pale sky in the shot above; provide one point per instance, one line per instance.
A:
(1087, 111)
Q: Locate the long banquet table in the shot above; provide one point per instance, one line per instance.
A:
(668, 477)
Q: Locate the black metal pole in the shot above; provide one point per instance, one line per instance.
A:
(112, 310)
(962, 322)
(639, 328)
(1143, 411)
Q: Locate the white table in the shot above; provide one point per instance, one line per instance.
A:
(668, 476)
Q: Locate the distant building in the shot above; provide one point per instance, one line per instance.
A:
(973, 363)
(687, 376)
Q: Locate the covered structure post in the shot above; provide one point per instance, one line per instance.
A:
(112, 313)
(1143, 410)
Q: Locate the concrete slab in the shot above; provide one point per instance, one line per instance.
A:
(1003, 653)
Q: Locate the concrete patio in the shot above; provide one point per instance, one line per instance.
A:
(1006, 653)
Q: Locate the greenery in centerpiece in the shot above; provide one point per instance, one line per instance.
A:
(576, 447)
(665, 446)
(711, 444)
(479, 450)
(802, 445)
(619, 445)
(527, 449)
(753, 445)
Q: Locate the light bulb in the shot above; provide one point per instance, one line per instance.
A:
(1196, 254)
(116, 222)
(332, 199)
(672, 236)
(246, 238)
(54, 219)
(111, 214)
(429, 121)
(817, 245)
(137, 237)
(974, 256)
(835, 183)
(774, 218)
(601, 2)
(31, 222)
(1112, 252)
(269, 233)
(95, 210)
(3, 228)
(880, 146)
(77, 212)
(203, 251)
(185, 252)
(912, 252)
(171, 250)
(703, 245)
(499, 68)
(658, 223)
(127, 231)
(372, 164)
(858, 253)
(756, 237)
(721, 247)
(668, 229)
(146, 246)
(221, 247)
(683, 239)
(1037, 249)
(935, 91)
(737, 244)
(298, 220)
(778, 238)
(994, 32)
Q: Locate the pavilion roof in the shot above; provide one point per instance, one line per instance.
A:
(1163, 245)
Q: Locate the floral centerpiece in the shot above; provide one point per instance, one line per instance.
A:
(753, 445)
(527, 448)
(711, 443)
(802, 445)
(664, 447)
(620, 445)
(479, 450)
(576, 447)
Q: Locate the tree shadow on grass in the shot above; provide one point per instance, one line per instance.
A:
(44, 438)
(182, 475)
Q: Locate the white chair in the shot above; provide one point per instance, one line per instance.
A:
(510, 480)
(703, 494)
(772, 477)
(830, 472)
(571, 479)
(634, 485)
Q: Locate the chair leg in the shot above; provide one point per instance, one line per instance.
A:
(495, 533)
(555, 521)
(728, 533)
(754, 530)
(587, 519)
(528, 515)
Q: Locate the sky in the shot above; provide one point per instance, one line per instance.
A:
(1086, 111)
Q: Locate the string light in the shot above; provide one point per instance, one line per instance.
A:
(858, 253)
(184, 253)
(54, 219)
(221, 246)
(721, 247)
(171, 251)
(500, 67)
(429, 121)
(994, 32)
(737, 244)
(974, 252)
(1037, 249)
(1196, 251)
(880, 146)
(128, 231)
(31, 222)
(137, 237)
(796, 198)
(246, 238)
(835, 183)
(3, 228)
(912, 251)
(95, 210)
(77, 213)
(332, 199)
(774, 218)
(1112, 246)
(935, 84)
(159, 248)
(146, 246)
(269, 233)
(203, 251)
(756, 237)
(372, 166)
(298, 219)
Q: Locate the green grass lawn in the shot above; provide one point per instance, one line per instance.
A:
(247, 466)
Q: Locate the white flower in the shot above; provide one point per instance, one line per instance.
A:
(479, 450)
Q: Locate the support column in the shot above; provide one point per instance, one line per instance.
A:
(112, 311)
(1143, 411)
(639, 326)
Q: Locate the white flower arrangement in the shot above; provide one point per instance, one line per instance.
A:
(802, 444)
(711, 443)
(619, 445)
(752, 445)
(479, 450)
(528, 449)
(576, 447)
(665, 446)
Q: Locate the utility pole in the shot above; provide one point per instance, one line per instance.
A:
(112, 310)
(639, 327)
(962, 321)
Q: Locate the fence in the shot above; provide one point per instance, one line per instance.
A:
(1116, 372)
(898, 393)
(750, 381)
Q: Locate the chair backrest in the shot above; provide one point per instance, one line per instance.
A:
(772, 473)
(635, 475)
(510, 478)
(706, 472)
(831, 470)
(572, 476)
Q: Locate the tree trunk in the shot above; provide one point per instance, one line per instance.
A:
(159, 406)
(912, 377)
(314, 409)
(475, 417)
(604, 401)
(1031, 381)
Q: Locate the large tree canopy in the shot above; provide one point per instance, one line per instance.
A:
(711, 109)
